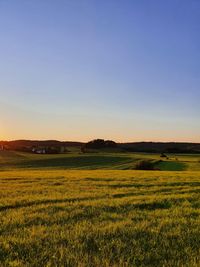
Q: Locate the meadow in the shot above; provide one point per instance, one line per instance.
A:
(12, 160)
(97, 210)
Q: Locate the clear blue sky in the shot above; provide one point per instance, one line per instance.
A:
(83, 69)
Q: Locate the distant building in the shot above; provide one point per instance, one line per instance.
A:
(49, 150)
(39, 150)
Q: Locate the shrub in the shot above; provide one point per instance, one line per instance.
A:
(144, 165)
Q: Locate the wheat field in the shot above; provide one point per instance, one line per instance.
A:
(99, 218)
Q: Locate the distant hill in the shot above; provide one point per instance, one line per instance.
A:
(26, 145)
(160, 147)
(149, 147)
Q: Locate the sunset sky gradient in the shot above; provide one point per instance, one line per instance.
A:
(83, 69)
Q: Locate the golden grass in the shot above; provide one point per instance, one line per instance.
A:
(99, 218)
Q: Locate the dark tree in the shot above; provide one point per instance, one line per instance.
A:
(100, 143)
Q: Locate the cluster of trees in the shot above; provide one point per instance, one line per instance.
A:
(144, 165)
(99, 144)
(158, 147)
(39, 147)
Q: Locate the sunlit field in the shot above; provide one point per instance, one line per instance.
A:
(12, 160)
(98, 215)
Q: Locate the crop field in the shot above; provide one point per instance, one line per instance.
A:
(96, 210)
(11, 160)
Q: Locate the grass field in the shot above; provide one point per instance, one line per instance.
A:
(18, 160)
(82, 210)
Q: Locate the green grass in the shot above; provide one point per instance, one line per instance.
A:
(171, 166)
(18, 160)
(99, 218)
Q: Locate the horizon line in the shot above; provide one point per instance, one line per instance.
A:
(120, 142)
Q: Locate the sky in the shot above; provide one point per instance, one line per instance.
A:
(84, 69)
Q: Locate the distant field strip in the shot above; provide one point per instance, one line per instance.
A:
(99, 218)
(93, 161)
